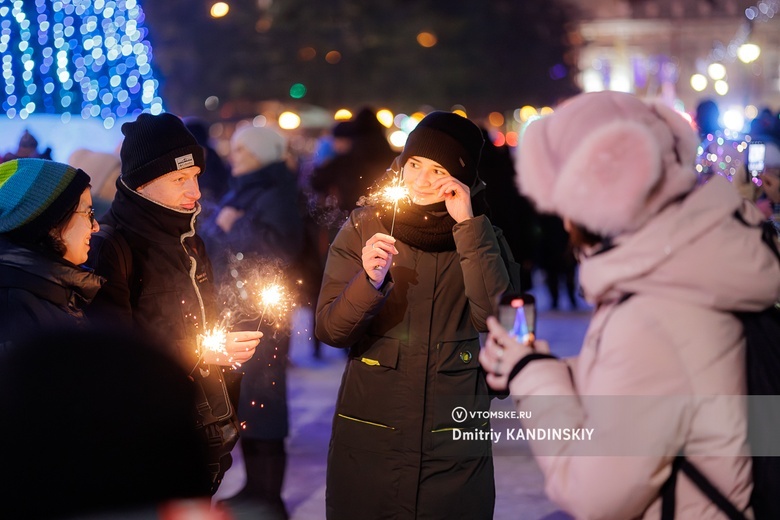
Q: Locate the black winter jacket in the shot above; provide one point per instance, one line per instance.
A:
(413, 359)
(170, 296)
(271, 226)
(272, 229)
(39, 293)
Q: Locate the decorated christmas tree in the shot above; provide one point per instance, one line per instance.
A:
(78, 58)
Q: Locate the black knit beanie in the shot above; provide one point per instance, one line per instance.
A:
(156, 145)
(450, 140)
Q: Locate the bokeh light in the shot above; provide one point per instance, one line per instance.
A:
(426, 39)
(699, 82)
(496, 119)
(342, 114)
(219, 9)
(716, 71)
(748, 52)
(88, 58)
(734, 119)
(385, 117)
(289, 121)
(297, 91)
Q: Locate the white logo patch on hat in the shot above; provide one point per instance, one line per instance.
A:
(185, 161)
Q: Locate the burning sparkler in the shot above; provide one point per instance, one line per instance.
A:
(213, 340)
(393, 194)
(275, 298)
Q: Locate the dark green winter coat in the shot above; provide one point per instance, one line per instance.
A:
(413, 358)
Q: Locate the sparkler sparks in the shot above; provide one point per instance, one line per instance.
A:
(213, 340)
(392, 194)
(275, 301)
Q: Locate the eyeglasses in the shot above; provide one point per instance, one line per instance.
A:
(90, 213)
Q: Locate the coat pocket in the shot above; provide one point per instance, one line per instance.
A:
(460, 391)
(377, 351)
(372, 387)
(364, 470)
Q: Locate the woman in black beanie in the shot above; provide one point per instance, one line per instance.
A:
(409, 307)
(46, 220)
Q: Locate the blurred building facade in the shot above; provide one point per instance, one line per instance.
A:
(654, 47)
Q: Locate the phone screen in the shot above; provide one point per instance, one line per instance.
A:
(517, 314)
(755, 163)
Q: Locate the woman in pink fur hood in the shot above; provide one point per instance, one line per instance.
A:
(665, 263)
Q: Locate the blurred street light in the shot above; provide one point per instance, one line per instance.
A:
(289, 121)
(748, 52)
(219, 9)
(427, 39)
(716, 71)
(698, 82)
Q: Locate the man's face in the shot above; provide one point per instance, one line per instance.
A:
(177, 190)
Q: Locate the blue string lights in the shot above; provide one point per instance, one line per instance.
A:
(88, 58)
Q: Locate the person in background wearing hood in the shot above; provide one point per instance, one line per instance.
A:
(408, 296)
(361, 159)
(46, 221)
(258, 220)
(666, 263)
(166, 292)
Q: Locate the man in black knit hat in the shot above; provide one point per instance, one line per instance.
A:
(159, 279)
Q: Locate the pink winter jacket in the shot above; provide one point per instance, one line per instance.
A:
(661, 372)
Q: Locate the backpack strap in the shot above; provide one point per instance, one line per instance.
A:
(768, 233)
(710, 491)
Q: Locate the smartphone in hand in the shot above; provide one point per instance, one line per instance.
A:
(517, 314)
(756, 153)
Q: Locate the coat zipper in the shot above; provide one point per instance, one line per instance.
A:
(194, 267)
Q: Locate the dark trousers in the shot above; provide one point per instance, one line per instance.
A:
(265, 462)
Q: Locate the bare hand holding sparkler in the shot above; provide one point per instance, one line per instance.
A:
(378, 257)
(219, 347)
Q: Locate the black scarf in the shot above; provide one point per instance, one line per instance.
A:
(155, 222)
(429, 227)
(425, 227)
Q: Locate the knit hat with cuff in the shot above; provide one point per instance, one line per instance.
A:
(157, 145)
(37, 194)
(449, 139)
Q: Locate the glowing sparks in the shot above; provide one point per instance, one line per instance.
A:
(213, 340)
(272, 295)
(274, 302)
(390, 194)
(394, 194)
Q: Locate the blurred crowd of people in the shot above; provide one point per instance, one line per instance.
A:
(143, 247)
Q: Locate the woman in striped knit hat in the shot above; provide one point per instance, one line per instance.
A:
(46, 221)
